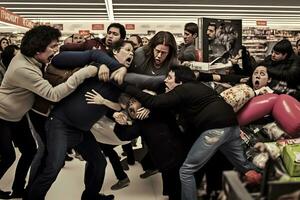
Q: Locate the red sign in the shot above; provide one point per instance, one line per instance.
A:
(84, 32)
(130, 26)
(261, 23)
(11, 18)
(97, 26)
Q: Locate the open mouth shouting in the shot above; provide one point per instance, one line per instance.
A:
(128, 61)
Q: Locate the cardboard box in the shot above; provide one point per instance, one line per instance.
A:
(291, 155)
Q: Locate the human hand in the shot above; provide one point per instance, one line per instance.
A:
(142, 113)
(119, 74)
(103, 73)
(234, 61)
(94, 98)
(120, 118)
(149, 92)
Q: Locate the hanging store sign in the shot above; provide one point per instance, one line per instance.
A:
(11, 18)
(97, 26)
(130, 26)
(261, 23)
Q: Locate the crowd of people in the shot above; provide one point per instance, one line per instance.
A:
(143, 88)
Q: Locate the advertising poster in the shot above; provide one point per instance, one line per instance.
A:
(219, 38)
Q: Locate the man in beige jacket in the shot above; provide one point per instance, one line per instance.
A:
(22, 81)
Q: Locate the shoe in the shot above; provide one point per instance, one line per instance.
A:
(68, 158)
(106, 197)
(148, 173)
(79, 157)
(120, 184)
(4, 195)
(253, 178)
(99, 197)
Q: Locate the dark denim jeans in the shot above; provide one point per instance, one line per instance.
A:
(60, 137)
(19, 134)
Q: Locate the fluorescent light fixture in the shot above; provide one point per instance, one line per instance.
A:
(49, 3)
(75, 9)
(205, 5)
(61, 13)
(109, 9)
(65, 16)
(211, 10)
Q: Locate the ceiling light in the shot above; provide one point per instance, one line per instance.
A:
(109, 8)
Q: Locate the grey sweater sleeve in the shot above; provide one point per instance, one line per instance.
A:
(33, 81)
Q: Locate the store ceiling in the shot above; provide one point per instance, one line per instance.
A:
(278, 11)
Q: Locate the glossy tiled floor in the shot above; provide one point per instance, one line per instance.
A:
(69, 183)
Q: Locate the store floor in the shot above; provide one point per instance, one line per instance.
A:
(69, 184)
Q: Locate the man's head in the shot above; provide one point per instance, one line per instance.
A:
(136, 40)
(260, 77)
(40, 42)
(178, 75)
(123, 52)
(133, 106)
(282, 50)
(211, 31)
(77, 38)
(190, 33)
(163, 48)
(114, 33)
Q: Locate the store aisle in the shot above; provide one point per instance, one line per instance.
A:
(69, 183)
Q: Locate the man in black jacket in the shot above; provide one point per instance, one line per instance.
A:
(212, 117)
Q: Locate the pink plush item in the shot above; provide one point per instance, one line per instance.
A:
(256, 108)
(286, 112)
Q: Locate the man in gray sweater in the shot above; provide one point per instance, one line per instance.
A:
(22, 81)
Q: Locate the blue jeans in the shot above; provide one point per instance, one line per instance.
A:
(60, 137)
(227, 140)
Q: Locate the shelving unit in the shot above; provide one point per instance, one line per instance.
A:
(260, 41)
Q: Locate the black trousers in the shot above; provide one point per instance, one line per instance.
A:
(114, 159)
(19, 134)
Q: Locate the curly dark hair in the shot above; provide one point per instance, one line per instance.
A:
(37, 39)
(120, 27)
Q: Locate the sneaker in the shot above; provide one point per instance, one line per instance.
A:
(148, 173)
(253, 178)
(4, 195)
(98, 197)
(68, 158)
(79, 157)
(120, 184)
(106, 197)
